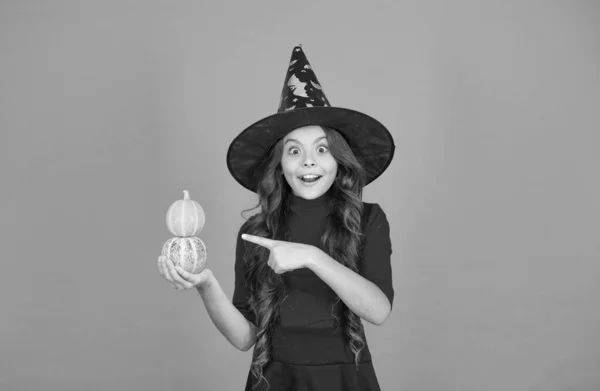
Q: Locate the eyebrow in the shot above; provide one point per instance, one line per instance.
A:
(298, 142)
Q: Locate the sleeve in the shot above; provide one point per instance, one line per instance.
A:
(240, 293)
(376, 256)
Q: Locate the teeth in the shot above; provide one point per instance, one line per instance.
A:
(310, 176)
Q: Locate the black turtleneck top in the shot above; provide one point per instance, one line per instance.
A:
(309, 301)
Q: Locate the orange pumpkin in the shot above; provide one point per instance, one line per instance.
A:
(185, 217)
(189, 253)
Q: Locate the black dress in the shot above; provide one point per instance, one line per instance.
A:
(309, 352)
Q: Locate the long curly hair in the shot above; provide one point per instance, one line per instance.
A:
(342, 241)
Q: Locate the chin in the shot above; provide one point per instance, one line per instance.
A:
(310, 192)
(308, 195)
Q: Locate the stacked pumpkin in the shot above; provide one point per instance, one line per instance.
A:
(185, 220)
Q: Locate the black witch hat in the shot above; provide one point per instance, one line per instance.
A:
(304, 103)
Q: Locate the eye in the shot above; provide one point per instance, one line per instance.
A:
(322, 148)
(293, 149)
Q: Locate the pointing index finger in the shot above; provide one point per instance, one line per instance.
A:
(268, 243)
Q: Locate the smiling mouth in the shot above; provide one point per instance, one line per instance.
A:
(310, 178)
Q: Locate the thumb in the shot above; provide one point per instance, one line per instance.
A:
(183, 273)
(194, 278)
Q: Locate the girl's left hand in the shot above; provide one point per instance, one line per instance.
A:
(284, 256)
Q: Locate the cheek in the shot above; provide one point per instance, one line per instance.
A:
(288, 170)
(285, 167)
(332, 166)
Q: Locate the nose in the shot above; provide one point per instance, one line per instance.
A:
(308, 163)
(309, 160)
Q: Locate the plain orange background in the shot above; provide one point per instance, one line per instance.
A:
(109, 110)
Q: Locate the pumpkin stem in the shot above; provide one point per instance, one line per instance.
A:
(186, 195)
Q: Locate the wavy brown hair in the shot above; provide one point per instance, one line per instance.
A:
(342, 241)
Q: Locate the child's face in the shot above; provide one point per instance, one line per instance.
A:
(305, 151)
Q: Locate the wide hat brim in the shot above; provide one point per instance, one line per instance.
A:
(370, 141)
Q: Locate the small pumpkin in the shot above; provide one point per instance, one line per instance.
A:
(185, 217)
(188, 252)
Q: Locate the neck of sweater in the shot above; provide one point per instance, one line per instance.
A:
(298, 203)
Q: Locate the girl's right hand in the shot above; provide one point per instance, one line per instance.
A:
(179, 278)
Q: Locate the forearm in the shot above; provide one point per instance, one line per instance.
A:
(361, 296)
(228, 319)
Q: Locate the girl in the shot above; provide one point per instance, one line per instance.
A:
(315, 259)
